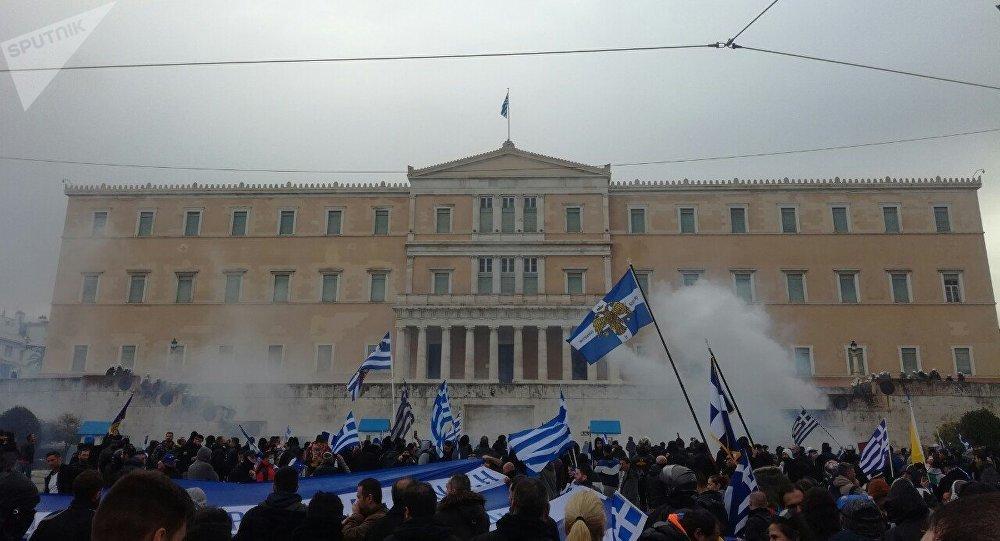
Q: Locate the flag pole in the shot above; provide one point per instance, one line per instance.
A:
(508, 113)
(729, 392)
(673, 365)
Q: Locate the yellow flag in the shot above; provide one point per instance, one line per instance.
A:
(916, 451)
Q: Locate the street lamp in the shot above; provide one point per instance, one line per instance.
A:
(856, 356)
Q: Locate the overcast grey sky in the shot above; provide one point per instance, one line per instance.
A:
(596, 108)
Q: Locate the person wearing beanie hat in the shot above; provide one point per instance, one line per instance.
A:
(201, 469)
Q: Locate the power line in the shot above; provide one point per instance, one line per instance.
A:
(395, 171)
(445, 56)
(865, 66)
(759, 15)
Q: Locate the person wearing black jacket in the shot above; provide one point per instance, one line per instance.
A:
(905, 508)
(527, 519)
(419, 504)
(387, 524)
(59, 480)
(278, 515)
(73, 523)
(952, 473)
(679, 484)
(462, 510)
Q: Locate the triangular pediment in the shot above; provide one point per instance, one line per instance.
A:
(509, 162)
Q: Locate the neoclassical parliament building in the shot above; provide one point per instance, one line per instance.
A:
(480, 267)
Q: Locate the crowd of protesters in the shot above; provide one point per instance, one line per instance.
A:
(804, 494)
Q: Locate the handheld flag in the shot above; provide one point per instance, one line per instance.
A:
(626, 519)
(737, 497)
(718, 413)
(117, 423)
(441, 416)
(251, 443)
(536, 447)
(803, 426)
(613, 321)
(505, 107)
(916, 451)
(288, 433)
(379, 359)
(965, 443)
(348, 435)
(404, 416)
(456, 429)
(876, 453)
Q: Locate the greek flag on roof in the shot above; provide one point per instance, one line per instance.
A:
(505, 108)
(348, 435)
(741, 484)
(803, 426)
(536, 447)
(441, 416)
(718, 413)
(876, 452)
(613, 320)
(626, 519)
(379, 359)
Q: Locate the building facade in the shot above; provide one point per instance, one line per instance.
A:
(481, 266)
(22, 345)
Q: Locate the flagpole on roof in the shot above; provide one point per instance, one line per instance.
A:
(729, 391)
(508, 113)
(670, 358)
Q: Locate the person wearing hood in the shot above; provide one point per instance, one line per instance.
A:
(527, 519)
(678, 491)
(427, 453)
(462, 510)
(860, 518)
(419, 505)
(366, 511)
(323, 519)
(905, 508)
(201, 469)
(279, 514)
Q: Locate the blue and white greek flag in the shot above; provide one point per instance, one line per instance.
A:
(718, 413)
(873, 458)
(626, 519)
(737, 497)
(613, 320)
(965, 443)
(441, 417)
(288, 433)
(379, 359)
(251, 443)
(404, 416)
(348, 435)
(536, 447)
(505, 108)
(456, 429)
(803, 426)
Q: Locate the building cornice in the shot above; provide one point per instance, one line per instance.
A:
(836, 183)
(242, 188)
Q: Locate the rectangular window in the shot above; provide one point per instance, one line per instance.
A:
(100, 223)
(486, 214)
(324, 358)
(334, 222)
(890, 217)
(908, 359)
(331, 287)
(952, 286)
(637, 221)
(737, 220)
(796, 282)
(857, 359)
(803, 361)
(442, 283)
(642, 277)
(573, 220)
(942, 222)
(234, 286)
(127, 357)
(530, 214)
(847, 282)
(185, 287)
(485, 276)
(840, 222)
(239, 225)
(531, 276)
(690, 278)
(79, 358)
(282, 285)
(507, 215)
(687, 220)
(381, 222)
(574, 282)
(145, 227)
(90, 283)
(286, 222)
(442, 222)
(379, 284)
(506, 275)
(275, 354)
(743, 285)
(963, 360)
(192, 223)
(136, 288)
(789, 220)
(900, 286)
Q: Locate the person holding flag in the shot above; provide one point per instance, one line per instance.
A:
(440, 417)
(536, 447)
(719, 409)
(117, 422)
(404, 416)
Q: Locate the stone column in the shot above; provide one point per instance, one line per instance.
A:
(446, 351)
(421, 353)
(401, 350)
(494, 361)
(519, 275)
(543, 353)
(470, 350)
(496, 275)
(518, 353)
(567, 355)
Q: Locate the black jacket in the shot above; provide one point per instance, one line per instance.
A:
(314, 529)
(70, 524)
(280, 514)
(905, 508)
(688, 499)
(464, 513)
(64, 482)
(515, 527)
(757, 522)
(386, 525)
(421, 529)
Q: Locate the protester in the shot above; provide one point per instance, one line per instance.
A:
(692, 524)
(820, 513)
(966, 519)
(201, 469)
(419, 504)
(759, 518)
(210, 524)
(367, 510)
(788, 527)
(279, 514)
(906, 510)
(18, 499)
(526, 520)
(861, 520)
(324, 516)
(384, 527)
(74, 522)
(585, 520)
(59, 480)
(143, 505)
(462, 510)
